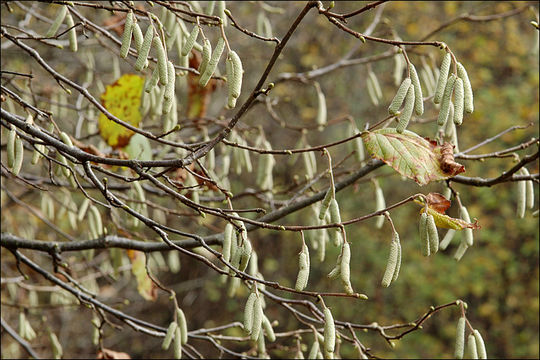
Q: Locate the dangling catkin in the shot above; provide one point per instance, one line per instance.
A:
(190, 41)
(458, 101)
(303, 272)
(468, 93)
(257, 318)
(19, 154)
(57, 21)
(418, 96)
(406, 114)
(460, 338)
(468, 232)
(447, 97)
(530, 189)
(227, 240)
(380, 205)
(145, 49)
(238, 71)
(212, 64)
(162, 60)
(329, 331)
(432, 234)
(390, 265)
(521, 198)
(345, 268)
(72, 33)
(447, 239)
(335, 217)
(424, 236)
(321, 109)
(169, 336)
(443, 76)
(480, 346)
(399, 97)
(471, 352)
(249, 311)
(206, 54)
(398, 265)
(126, 36)
(330, 195)
(11, 147)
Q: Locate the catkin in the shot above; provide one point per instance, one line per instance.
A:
(424, 237)
(471, 352)
(72, 33)
(530, 189)
(521, 198)
(177, 344)
(145, 49)
(206, 54)
(303, 272)
(137, 36)
(220, 11)
(460, 338)
(314, 350)
(376, 85)
(432, 234)
(458, 102)
(249, 311)
(405, 116)
(398, 265)
(169, 336)
(162, 60)
(182, 325)
(447, 239)
(190, 41)
(19, 154)
(329, 331)
(237, 71)
(468, 93)
(447, 97)
(335, 218)
(321, 109)
(227, 241)
(399, 97)
(245, 255)
(82, 209)
(126, 36)
(11, 147)
(443, 76)
(418, 96)
(345, 268)
(267, 326)
(96, 216)
(380, 205)
(57, 21)
(257, 318)
(168, 95)
(480, 346)
(330, 195)
(462, 248)
(391, 264)
(150, 84)
(372, 92)
(468, 232)
(212, 64)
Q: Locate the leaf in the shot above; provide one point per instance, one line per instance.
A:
(122, 99)
(447, 222)
(145, 286)
(411, 155)
(438, 202)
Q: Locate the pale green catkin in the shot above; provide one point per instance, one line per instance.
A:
(267, 326)
(238, 72)
(227, 241)
(168, 95)
(220, 11)
(329, 331)
(335, 217)
(145, 49)
(72, 33)
(462, 248)
(245, 255)
(447, 239)
(190, 41)
(521, 198)
(212, 64)
(424, 237)
(471, 352)
(330, 195)
(169, 336)
(57, 21)
(177, 344)
(257, 318)
(162, 60)
(418, 96)
(314, 350)
(182, 325)
(432, 234)
(443, 76)
(380, 204)
(321, 119)
(398, 265)
(371, 91)
(468, 96)
(150, 84)
(445, 104)
(345, 268)
(460, 338)
(529, 190)
(480, 346)
(458, 102)
(468, 235)
(19, 154)
(391, 264)
(399, 97)
(206, 54)
(126, 36)
(376, 85)
(248, 312)
(406, 114)
(137, 36)
(11, 147)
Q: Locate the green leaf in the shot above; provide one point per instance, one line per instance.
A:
(412, 156)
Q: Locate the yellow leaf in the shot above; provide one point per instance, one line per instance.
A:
(122, 99)
(145, 286)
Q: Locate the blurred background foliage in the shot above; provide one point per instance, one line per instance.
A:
(498, 277)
